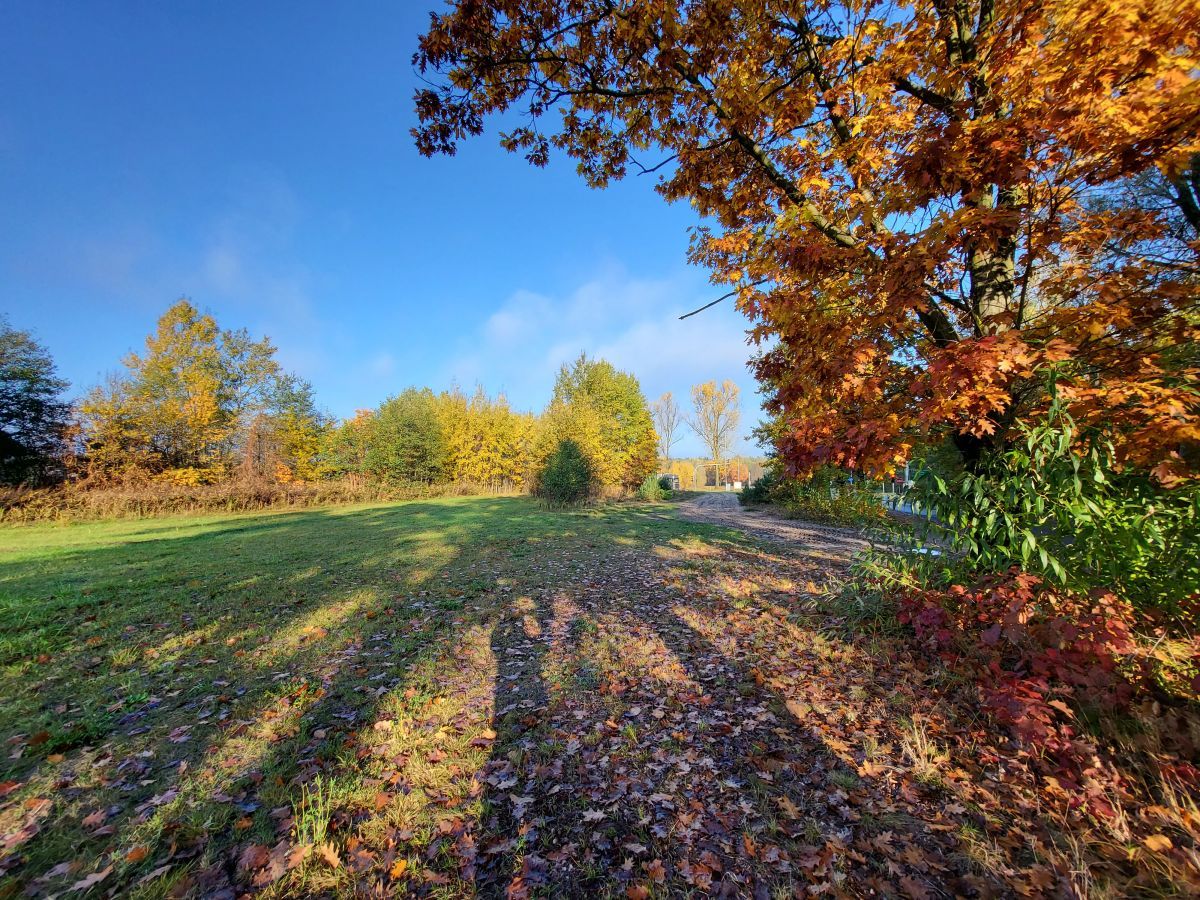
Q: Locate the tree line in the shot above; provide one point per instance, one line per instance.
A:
(205, 405)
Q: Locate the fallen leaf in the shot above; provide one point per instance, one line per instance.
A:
(254, 856)
(788, 808)
(95, 878)
(329, 853)
(1158, 843)
(157, 873)
(137, 854)
(297, 855)
(657, 871)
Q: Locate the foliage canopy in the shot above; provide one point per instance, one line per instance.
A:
(918, 203)
(33, 418)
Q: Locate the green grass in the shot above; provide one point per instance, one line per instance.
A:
(451, 697)
(184, 682)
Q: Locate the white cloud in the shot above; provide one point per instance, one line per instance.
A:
(630, 321)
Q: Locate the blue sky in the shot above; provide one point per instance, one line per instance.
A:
(256, 158)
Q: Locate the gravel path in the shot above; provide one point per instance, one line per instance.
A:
(819, 542)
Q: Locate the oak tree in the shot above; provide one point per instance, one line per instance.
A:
(901, 196)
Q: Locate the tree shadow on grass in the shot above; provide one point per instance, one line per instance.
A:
(812, 793)
(505, 860)
(200, 705)
(676, 754)
(235, 665)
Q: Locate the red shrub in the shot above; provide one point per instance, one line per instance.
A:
(1030, 648)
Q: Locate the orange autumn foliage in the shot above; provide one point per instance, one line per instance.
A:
(919, 205)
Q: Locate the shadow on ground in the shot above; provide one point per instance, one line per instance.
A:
(460, 697)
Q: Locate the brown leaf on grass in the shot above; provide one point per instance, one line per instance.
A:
(788, 808)
(180, 735)
(657, 871)
(329, 855)
(7, 787)
(749, 846)
(95, 878)
(297, 855)
(63, 868)
(276, 865)
(156, 873)
(360, 859)
(637, 892)
(95, 819)
(253, 856)
(137, 854)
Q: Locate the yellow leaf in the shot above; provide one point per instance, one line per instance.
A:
(398, 868)
(1158, 843)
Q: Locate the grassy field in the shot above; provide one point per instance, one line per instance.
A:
(478, 697)
(177, 688)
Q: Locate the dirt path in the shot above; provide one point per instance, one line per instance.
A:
(821, 543)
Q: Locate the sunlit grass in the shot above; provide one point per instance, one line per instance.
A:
(219, 681)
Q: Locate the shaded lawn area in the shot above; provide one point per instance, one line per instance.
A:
(178, 690)
(474, 696)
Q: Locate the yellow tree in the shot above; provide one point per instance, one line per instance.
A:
(179, 404)
(715, 417)
(581, 424)
(297, 429)
(685, 472)
(628, 443)
(344, 448)
(487, 442)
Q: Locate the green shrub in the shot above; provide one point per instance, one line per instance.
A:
(652, 488)
(1053, 504)
(568, 476)
(829, 495)
(408, 443)
(664, 482)
(761, 491)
